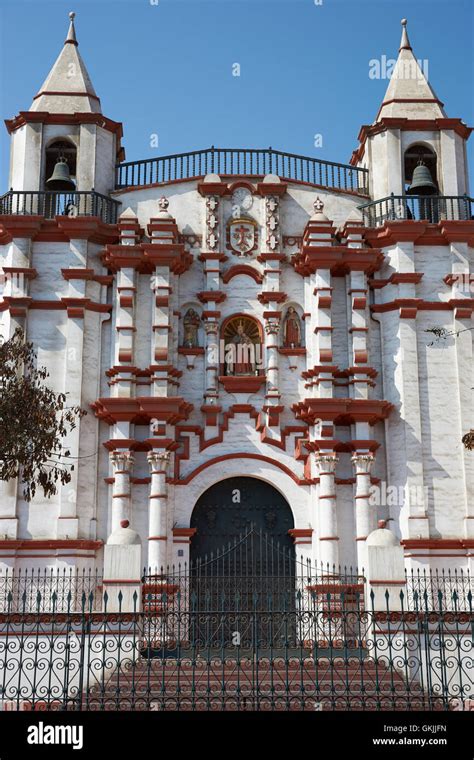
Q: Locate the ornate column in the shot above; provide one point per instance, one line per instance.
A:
(157, 515)
(271, 188)
(211, 188)
(357, 303)
(211, 328)
(328, 535)
(365, 514)
(122, 463)
(272, 330)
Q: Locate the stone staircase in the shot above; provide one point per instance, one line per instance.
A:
(269, 684)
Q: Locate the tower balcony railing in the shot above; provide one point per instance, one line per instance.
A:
(429, 208)
(242, 162)
(50, 204)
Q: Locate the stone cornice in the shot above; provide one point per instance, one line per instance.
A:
(342, 411)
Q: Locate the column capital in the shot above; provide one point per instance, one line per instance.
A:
(363, 463)
(122, 460)
(326, 463)
(159, 460)
(210, 327)
(272, 327)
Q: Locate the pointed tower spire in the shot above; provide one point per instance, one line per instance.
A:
(409, 94)
(68, 87)
(405, 42)
(71, 35)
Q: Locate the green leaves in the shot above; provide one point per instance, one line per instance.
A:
(34, 420)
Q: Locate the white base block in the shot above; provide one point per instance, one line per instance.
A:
(122, 574)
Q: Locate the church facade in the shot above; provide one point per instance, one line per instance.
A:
(249, 331)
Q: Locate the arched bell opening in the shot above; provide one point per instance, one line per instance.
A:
(422, 191)
(421, 171)
(60, 166)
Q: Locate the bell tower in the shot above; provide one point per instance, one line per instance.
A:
(63, 142)
(412, 147)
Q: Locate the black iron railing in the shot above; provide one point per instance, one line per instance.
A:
(242, 162)
(433, 589)
(50, 204)
(23, 589)
(34, 590)
(233, 651)
(430, 208)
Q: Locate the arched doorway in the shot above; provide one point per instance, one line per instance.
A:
(236, 508)
(242, 571)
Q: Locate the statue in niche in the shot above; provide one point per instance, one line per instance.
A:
(191, 326)
(242, 347)
(292, 329)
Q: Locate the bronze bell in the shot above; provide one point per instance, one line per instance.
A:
(60, 178)
(422, 181)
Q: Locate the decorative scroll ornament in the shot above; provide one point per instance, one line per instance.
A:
(212, 222)
(272, 222)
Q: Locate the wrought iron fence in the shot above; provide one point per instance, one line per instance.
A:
(50, 204)
(196, 639)
(435, 589)
(430, 208)
(26, 591)
(236, 654)
(242, 162)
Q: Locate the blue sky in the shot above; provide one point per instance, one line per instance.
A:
(166, 68)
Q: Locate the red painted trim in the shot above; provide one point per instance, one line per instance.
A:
(213, 296)
(242, 383)
(190, 351)
(420, 233)
(50, 543)
(410, 306)
(300, 532)
(437, 543)
(340, 260)
(292, 351)
(342, 411)
(67, 94)
(239, 455)
(268, 296)
(388, 583)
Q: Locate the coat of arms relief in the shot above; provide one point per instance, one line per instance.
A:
(242, 230)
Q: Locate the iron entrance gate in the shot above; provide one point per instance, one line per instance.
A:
(242, 573)
(244, 594)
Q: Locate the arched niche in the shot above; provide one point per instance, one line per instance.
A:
(292, 327)
(191, 331)
(241, 346)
